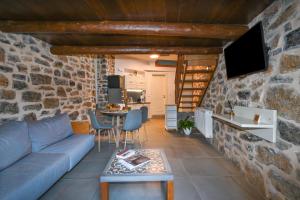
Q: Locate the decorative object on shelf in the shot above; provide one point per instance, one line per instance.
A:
(231, 105)
(186, 125)
(256, 118)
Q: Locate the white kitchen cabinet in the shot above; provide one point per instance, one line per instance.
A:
(171, 117)
(135, 80)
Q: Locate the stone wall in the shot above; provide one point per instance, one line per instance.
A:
(273, 168)
(105, 66)
(36, 84)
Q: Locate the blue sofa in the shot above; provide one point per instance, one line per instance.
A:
(33, 156)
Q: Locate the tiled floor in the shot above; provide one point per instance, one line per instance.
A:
(200, 173)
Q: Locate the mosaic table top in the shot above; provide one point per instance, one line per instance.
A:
(158, 169)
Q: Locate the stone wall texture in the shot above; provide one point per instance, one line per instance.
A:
(35, 84)
(105, 66)
(273, 168)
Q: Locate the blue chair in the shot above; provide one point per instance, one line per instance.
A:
(144, 110)
(98, 126)
(132, 123)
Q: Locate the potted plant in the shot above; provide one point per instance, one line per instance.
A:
(186, 125)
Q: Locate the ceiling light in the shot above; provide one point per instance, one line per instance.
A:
(154, 56)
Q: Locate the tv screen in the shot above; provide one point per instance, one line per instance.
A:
(247, 54)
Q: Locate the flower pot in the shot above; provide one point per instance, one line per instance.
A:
(187, 131)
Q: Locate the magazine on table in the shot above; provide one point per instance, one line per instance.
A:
(134, 161)
(125, 154)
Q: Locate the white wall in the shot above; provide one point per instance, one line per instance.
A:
(121, 63)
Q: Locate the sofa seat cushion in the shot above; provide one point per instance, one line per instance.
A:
(14, 143)
(31, 176)
(75, 147)
(49, 131)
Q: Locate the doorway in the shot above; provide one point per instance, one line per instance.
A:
(158, 94)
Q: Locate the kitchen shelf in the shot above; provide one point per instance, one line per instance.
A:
(242, 122)
(244, 119)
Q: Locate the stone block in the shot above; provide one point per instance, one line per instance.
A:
(37, 107)
(254, 177)
(19, 77)
(268, 156)
(282, 99)
(7, 94)
(59, 81)
(22, 67)
(284, 16)
(66, 74)
(19, 85)
(292, 39)
(30, 117)
(5, 69)
(41, 62)
(58, 64)
(51, 103)
(289, 132)
(61, 92)
(3, 81)
(74, 115)
(289, 63)
(34, 49)
(244, 95)
(13, 58)
(288, 188)
(281, 79)
(40, 79)
(9, 108)
(31, 96)
(2, 55)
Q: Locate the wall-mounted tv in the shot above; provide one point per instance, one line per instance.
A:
(247, 54)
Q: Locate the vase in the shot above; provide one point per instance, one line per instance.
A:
(187, 131)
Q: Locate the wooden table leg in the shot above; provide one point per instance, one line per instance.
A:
(170, 190)
(118, 131)
(104, 191)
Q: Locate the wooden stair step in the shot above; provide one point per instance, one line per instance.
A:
(190, 95)
(186, 107)
(196, 81)
(193, 88)
(197, 71)
(188, 101)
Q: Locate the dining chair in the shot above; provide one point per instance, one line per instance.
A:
(132, 123)
(98, 126)
(144, 110)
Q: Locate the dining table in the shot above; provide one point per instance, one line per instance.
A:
(116, 121)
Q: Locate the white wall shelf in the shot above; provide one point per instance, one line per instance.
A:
(244, 119)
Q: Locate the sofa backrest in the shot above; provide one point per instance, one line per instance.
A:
(49, 131)
(14, 143)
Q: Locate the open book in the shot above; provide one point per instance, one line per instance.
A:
(134, 161)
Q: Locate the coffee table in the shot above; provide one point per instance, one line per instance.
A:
(158, 169)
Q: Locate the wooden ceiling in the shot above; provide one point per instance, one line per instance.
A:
(156, 24)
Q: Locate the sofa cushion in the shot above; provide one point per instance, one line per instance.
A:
(75, 147)
(31, 176)
(14, 142)
(48, 131)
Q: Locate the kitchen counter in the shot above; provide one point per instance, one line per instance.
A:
(137, 103)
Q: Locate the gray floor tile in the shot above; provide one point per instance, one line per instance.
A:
(220, 188)
(72, 189)
(207, 167)
(87, 169)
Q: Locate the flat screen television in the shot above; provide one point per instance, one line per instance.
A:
(247, 54)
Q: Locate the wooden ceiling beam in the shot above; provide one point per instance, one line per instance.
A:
(215, 31)
(81, 50)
